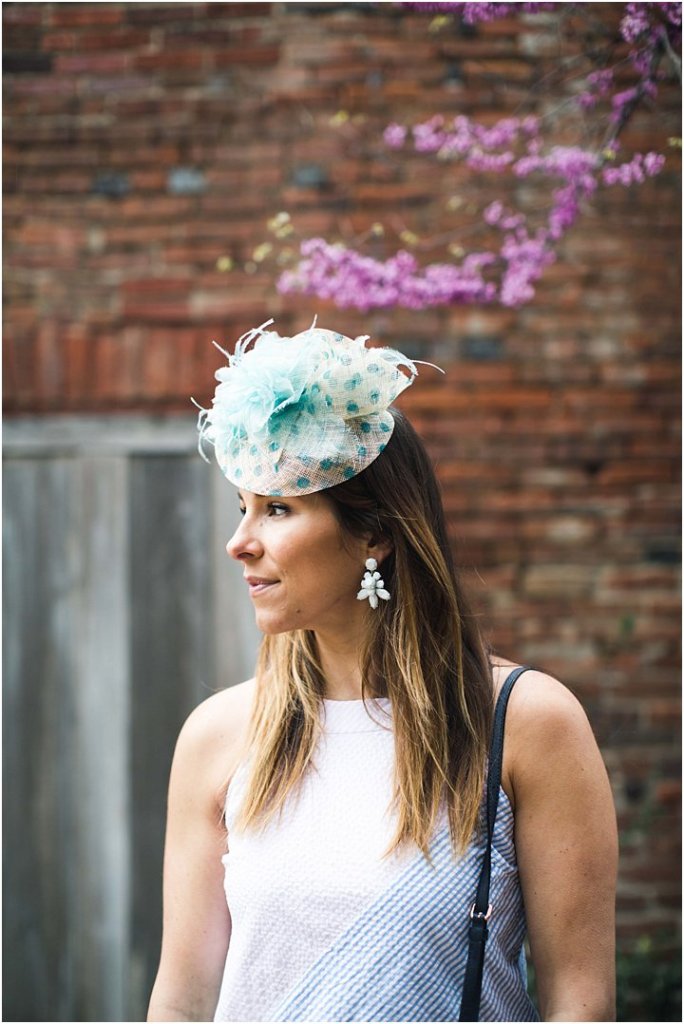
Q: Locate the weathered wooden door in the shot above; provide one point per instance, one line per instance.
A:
(121, 613)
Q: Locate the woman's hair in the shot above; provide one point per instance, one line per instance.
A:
(424, 651)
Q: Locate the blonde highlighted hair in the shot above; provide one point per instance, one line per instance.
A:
(423, 650)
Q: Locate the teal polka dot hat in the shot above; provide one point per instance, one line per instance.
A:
(296, 415)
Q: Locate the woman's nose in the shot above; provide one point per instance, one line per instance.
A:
(244, 543)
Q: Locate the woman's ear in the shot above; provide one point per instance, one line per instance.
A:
(379, 548)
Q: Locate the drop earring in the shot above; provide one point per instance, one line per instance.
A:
(372, 585)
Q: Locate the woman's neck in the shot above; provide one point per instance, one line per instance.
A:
(339, 659)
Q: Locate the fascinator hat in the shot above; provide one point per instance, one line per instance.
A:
(291, 416)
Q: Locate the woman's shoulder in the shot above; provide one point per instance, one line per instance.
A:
(547, 728)
(212, 739)
(537, 699)
(221, 716)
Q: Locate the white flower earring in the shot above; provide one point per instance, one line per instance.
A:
(372, 585)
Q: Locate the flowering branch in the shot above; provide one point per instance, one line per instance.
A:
(517, 147)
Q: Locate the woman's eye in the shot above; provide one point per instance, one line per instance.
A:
(276, 509)
(242, 510)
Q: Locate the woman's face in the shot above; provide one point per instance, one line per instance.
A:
(301, 572)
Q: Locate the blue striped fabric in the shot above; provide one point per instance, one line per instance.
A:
(404, 958)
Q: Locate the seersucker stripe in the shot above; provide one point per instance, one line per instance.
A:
(403, 959)
(344, 977)
(388, 906)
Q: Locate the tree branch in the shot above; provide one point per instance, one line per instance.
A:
(675, 59)
(630, 106)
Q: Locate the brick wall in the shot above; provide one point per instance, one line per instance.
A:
(146, 146)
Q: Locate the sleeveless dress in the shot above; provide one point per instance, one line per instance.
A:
(325, 927)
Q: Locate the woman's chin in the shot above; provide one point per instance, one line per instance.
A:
(272, 626)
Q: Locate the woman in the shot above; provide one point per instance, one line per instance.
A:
(346, 779)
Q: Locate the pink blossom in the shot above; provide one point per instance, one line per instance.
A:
(467, 136)
(394, 135)
(526, 257)
(473, 12)
(601, 81)
(492, 215)
(570, 162)
(355, 281)
(653, 163)
(497, 162)
(635, 171)
(634, 23)
(620, 99)
(599, 85)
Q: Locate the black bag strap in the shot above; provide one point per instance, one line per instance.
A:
(481, 909)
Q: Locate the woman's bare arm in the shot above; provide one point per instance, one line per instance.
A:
(566, 843)
(196, 925)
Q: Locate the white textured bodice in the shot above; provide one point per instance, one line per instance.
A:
(294, 886)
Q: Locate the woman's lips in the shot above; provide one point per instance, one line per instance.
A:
(258, 585)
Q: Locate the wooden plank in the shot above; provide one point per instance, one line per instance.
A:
(66, 869)
(28, 971)
(99, 435)
(236, 637)
(39, 724)
(99, 919)
(171, 668)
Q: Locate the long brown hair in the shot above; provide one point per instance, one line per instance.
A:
(423, 650)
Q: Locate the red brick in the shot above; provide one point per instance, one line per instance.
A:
(105, 365)
(66, 181)
(158, 364)
(48, 89)
(10, 384)
(171, 61)
(114, 362)
(502, 70)
(77, 361)
(60, 41)
(130, 234)
(238, 10)
(476, 48)
(159, 214)
(155, 310)
(155, 286)
(77, 14)
(231, 302)
(115, 39)
(22, 14)
(130, 349)
(159, 13)
(633, 472)
(256, 179)
(92, 64)
(48, 365)
(252, 55)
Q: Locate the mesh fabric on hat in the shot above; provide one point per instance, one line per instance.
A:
(296, 415)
